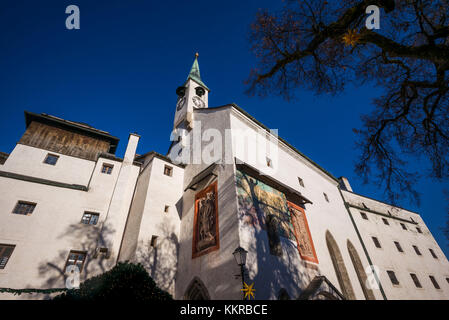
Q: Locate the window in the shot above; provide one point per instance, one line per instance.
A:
(168, 171)
(153, 241)
(326, 197)
(447, 280)
(385, 221)
(166, 209)
(376, 242)
(434, 282)
(5, 253)
(24, 208)
(393, 278)
(301, 182)
(90, 218)
(415, 280)
(364, 216)
(417, 250)
(269, 162)
(107, 168)
(398, 246)
(75, 258)
(51, 159)
(433, 254)
(418, 229)
(403, 226)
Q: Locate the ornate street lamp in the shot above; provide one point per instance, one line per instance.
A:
(240, 258)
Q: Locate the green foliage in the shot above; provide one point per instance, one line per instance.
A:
(126, 281)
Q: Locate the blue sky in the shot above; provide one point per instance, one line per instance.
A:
(119, 73)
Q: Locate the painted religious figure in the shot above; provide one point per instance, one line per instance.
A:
(302, 233)
(205, 225)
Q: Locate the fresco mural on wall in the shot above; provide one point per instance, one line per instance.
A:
(302, 233)
(264, 207)
(205, 222)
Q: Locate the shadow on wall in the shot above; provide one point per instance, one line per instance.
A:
(160, 259)
(273, 260)
(83, 238)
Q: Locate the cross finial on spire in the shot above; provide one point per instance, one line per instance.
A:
(196, 55)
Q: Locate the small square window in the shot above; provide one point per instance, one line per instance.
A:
(269, 162)
(301, 182)
(168, 171)
(51, 159)
(364, 216)
(166, 209)
(107, 168)
(385, 221)
(5, 253)
(398, 246)
(153, 241)
(433, 254)
(403, 226)
(415, 280)
(418, 229)
(376, 242)
(434, 282)
(90, 218)
(75, 258)
(326, 197)
(417, 250)
(393, 278)
(25, 208)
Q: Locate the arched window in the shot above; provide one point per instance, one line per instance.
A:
(196, 291)
(361, 274)
(339, 266)
(283, 295)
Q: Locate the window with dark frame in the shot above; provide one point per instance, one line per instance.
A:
(392, 277)
(168, 171)
(385, 221)
(403, 226)
(433, 253)
(418, 229)
(269, 162)
(107, 168)
(415, 280)
(90, 218)
(75, 258)
(301, 182)
(434, 282)
(398, 246)
(376, 242)
(364, 216)
(51, 159)
(6, 251)
(166, 209)
(24, 208)
(153, 242)
(417, 250)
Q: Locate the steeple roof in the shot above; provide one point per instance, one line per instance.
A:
(195, 73)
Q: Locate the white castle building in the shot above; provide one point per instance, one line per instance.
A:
(67, 199)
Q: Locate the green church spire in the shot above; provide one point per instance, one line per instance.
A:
(195, 72)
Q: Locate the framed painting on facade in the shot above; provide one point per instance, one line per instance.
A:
(205, 222)
(302, 233)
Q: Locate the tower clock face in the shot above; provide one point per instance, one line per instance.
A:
(180, 103)
(198, 102)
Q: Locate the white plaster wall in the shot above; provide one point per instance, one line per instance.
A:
(321, 216)
(29, 161)
(152, 198)
(44, 238)
(216, 269)
(389, 258)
